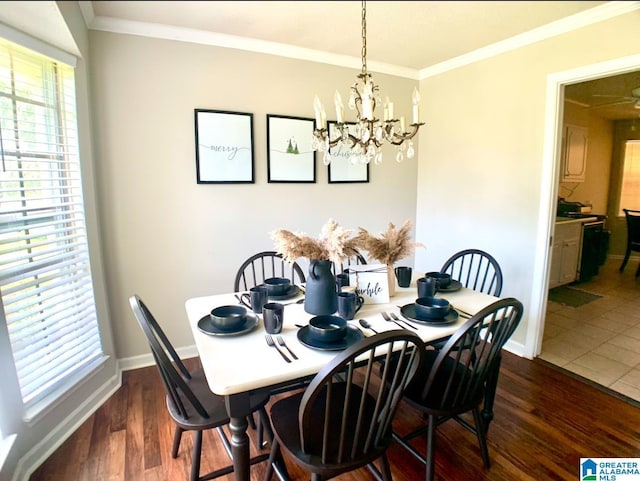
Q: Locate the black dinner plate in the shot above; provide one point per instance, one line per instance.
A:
(292, 291)
(250, 322)
(353, 335)
(409, 312)
(453, 287)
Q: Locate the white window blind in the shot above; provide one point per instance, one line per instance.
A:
(45, 277)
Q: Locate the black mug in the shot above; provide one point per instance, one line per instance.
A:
(348, 304)
(256, 298)
(403, 274)
(272, 316)
(342, 280)
(427, 286)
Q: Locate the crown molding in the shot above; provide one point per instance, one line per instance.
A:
(86, 8)
(559, 27)
(181, 34)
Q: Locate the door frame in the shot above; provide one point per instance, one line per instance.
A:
(554, 110)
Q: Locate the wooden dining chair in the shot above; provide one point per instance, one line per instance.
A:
(264, 265)
(475, 269)
(190, 402)
(342, 421)
(633, 236)
(452, 381)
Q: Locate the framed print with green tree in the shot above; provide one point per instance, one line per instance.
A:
(344, 167)
(224, 147)
(290, 157)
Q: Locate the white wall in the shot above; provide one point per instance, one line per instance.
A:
(482, 159)
(168, 238)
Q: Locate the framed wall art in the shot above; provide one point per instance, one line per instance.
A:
(224, 147)
(341, 170)
(290, 157)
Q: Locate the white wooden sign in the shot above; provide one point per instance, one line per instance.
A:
(371, 282)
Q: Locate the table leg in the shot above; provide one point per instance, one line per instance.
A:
(238, 409)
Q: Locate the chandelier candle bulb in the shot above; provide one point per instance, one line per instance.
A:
(416, 106)
(390, 107)
(316, 108)
(402, 129)
(339, 107)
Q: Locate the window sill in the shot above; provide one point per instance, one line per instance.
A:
(38, 410)
(5, 447)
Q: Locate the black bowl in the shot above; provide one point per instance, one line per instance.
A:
(228, 318)
(444, 280)
(327, 328)
(277, 286)
(432, 307)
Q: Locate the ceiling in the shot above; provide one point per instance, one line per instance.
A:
(609, 97)
(408, 34)
(403, 37)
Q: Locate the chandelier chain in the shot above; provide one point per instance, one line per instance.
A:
(364, 37)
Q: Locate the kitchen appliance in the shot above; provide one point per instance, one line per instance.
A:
(569, 209)
(595, 236)
(595, 244)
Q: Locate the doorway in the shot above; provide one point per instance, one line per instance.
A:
(549, 187)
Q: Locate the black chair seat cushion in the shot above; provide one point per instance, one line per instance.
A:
(214, 405)
(436, 401)
(286, 428)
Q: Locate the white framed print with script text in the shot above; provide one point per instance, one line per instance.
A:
(341, 169)
(224, 147)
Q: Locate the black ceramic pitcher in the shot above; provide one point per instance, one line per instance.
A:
(321, 295)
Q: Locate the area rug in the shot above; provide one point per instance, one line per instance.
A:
(570, 296)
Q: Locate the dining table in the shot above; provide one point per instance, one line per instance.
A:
(236, 365)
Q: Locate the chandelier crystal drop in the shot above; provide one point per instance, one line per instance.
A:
(364, 138)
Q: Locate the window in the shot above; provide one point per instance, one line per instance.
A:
(45, 277)
(630, 185)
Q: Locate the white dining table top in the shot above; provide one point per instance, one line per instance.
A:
(236, 364)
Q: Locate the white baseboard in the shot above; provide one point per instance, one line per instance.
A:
(516, 348)
(146, 360)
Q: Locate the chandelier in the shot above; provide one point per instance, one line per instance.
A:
(364, 138)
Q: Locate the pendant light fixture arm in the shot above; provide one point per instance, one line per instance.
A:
(364, 138)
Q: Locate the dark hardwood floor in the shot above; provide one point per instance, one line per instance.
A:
(545, 421)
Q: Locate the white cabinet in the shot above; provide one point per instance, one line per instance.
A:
(565, 253)
(574, 155)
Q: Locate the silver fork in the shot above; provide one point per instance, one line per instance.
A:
(388, 319)
(284, 344)
(273, 344)
(394, 316)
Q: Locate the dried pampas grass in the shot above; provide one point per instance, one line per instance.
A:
(333, 244)
(391, 246)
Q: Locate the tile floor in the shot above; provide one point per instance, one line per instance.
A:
(600, 340)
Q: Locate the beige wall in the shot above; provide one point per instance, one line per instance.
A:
(167, 238)
(595, 188)
(482, 158)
